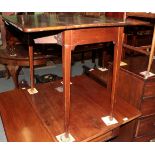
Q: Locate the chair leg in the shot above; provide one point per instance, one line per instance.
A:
(93, 56)
(14, 70)
(82, 57)
(100, 58)
(5, 73)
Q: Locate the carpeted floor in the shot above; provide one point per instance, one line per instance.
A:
(2, 133)
(7, 84)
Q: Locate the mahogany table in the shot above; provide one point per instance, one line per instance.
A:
(21, 59)
(76, 30)
(40, 117)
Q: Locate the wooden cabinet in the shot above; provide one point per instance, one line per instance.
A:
(137, 91)
(140, 93)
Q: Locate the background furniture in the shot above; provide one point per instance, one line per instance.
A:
(72, 32)
(11, 37)
(138, 38)
(140, 93)
(133, 87)
(20, 59)
(14, 54)
(137, 91)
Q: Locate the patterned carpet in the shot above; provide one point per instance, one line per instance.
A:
(2, 132)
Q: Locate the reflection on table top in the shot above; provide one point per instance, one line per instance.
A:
(46, 22)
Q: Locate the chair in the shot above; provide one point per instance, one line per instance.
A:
(138, 38)
(147, 34)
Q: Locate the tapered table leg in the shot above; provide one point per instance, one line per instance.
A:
(66, 63)
(66, 59)
(116, 67)
(32, 90)
(151, 53)
(31, 67)
(13, 70)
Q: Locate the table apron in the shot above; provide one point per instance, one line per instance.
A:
(93, 35)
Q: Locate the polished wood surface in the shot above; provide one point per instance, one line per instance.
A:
(143, 50)
(20, 59)
(20, 122)
(31, 66)
(97, 75)
(90, 102)
(75, 31)
(46, 22)
(137, 64)
(21, 52)
(66, 62)
(116, 67)
(145, 126)
(152, 52)
(141, 14)
(115, 34)
(148, 107)
(148, 50)
(139, 92)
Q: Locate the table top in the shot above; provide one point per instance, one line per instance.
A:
(21, 53)
(20, 122)
(40, 117)
(46, 22)
(141, 14)
(138, 64)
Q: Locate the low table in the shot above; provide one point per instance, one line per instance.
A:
(40, 117)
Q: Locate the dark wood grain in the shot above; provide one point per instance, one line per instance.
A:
(14, 63)
(138, 64)
(149, 90)
(35, 23)
(90, 102)
(70, 24)
(148, 107)
(145, 126)
(139, 92)
(146, 138)
(141, 14)
(31, 67)
(97, 75)
(21, 111)
(66, 60)
(19, 119)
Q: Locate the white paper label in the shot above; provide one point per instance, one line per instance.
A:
(108, 121)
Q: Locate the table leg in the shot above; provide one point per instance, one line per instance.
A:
(31, 67)
(116, 67)
(66, 60)
(32, 90)
(13, 70)
(152, 52)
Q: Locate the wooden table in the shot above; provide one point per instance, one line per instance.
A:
(40, 117)
(20, 59)
(146, 15)
(76, 30)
